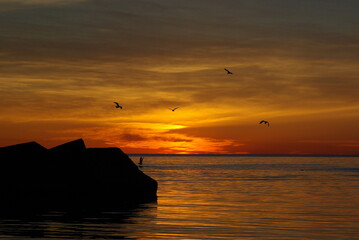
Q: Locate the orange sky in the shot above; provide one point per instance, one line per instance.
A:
(295, 64)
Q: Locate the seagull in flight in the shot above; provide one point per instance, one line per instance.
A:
(173, 109)
(265, 122)
(117, 105)
(228, 72)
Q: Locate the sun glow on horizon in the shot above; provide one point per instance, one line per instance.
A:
(59, 80)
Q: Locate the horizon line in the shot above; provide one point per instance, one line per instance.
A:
(245, 155)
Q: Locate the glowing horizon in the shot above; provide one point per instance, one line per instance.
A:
(294, 63)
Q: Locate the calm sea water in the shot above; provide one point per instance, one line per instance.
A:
(221, 197)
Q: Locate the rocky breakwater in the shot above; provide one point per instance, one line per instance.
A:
(71, 176)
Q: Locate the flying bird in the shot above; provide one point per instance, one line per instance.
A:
(265, 122)
(228, 72)
(173, 109)
(117, 105)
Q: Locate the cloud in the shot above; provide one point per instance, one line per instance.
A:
(13, 6)
(172, 139)
(65, 60)
(45, 2)
(132, 137)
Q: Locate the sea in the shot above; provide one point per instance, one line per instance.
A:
(221, 197)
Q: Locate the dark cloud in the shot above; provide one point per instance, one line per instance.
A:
(172, 139)
(132, 137)
(138, 137)
(127, 29)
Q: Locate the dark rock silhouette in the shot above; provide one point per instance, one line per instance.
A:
(71, 176)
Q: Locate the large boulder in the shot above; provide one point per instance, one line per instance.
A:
(71, 175)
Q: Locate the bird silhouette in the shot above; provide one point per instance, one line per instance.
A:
(173, 109)
(265, 122)
(228, 72)
(117, 105)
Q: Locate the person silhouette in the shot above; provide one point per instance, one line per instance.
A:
(141, 161)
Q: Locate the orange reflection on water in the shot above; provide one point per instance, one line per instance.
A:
(288, 202)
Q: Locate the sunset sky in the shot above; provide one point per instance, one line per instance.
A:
(295, 63)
